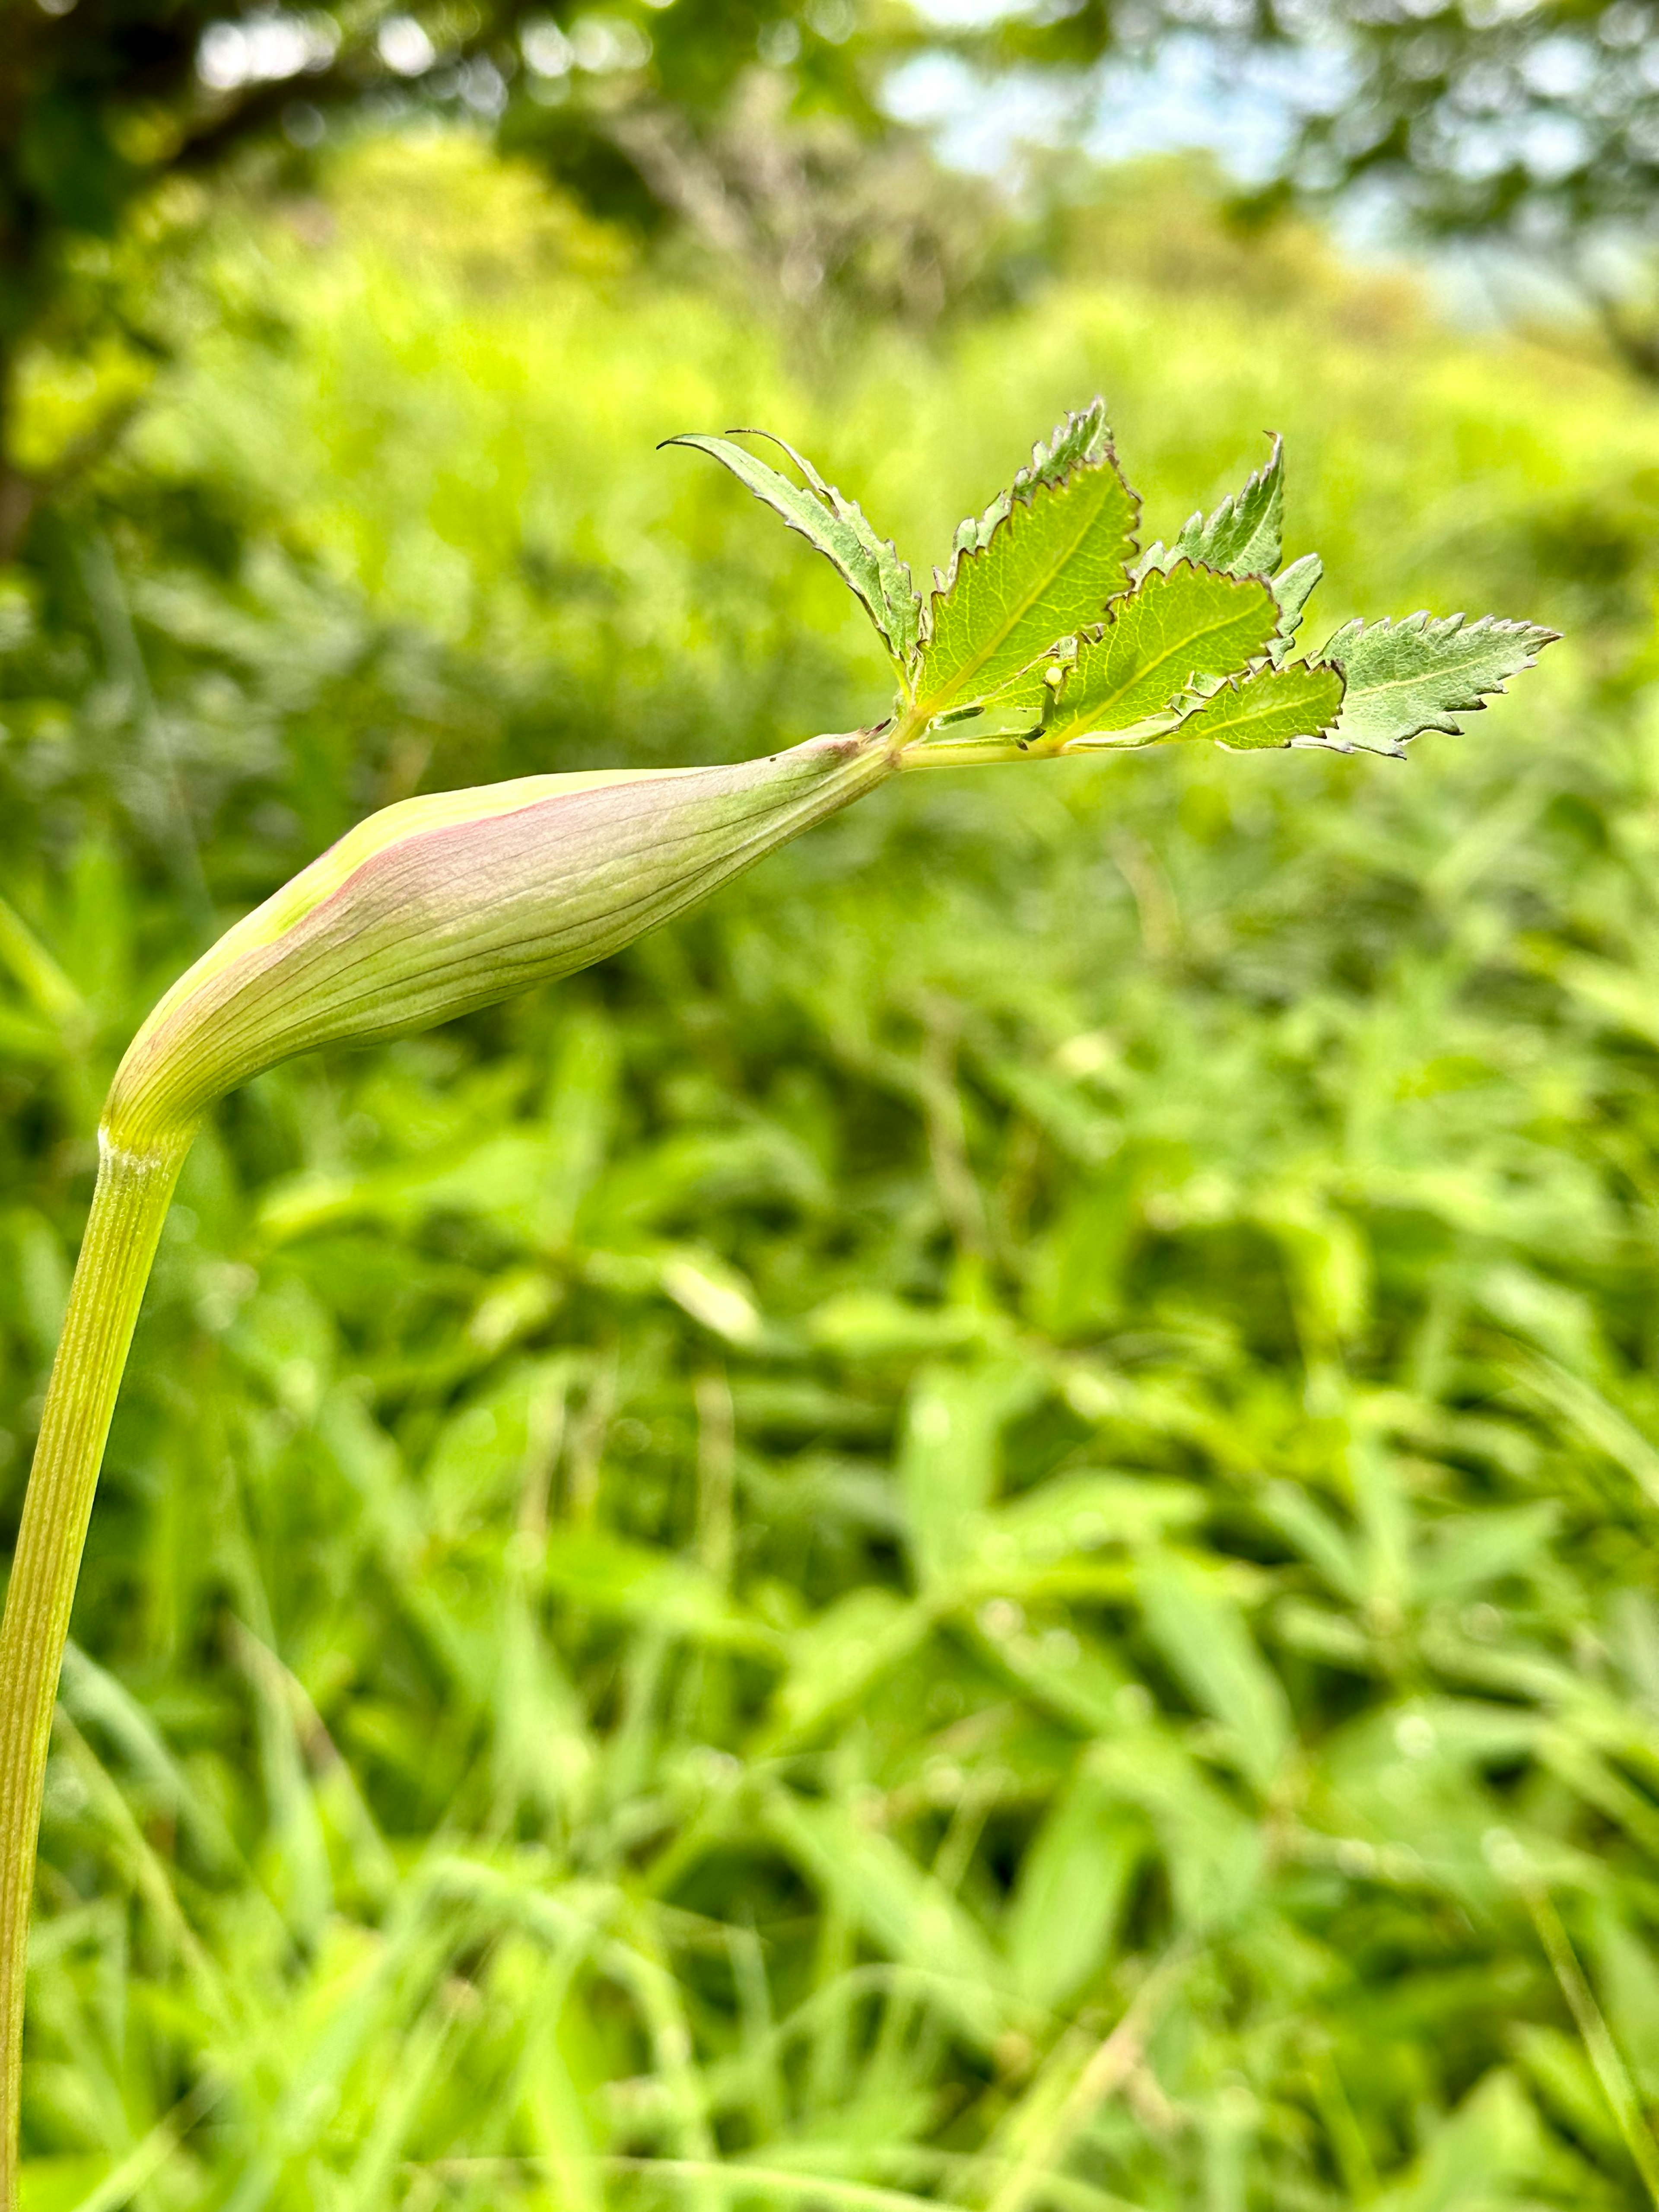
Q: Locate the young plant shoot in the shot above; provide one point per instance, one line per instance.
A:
(1050, 632)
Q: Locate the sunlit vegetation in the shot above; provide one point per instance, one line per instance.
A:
(979, 1528)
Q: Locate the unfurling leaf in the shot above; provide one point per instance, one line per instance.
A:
(837, 526)
(1189, 626)
(1274, 707)
(1045, 635)
(1404, 678)
(1242, 536)
(1041, 564)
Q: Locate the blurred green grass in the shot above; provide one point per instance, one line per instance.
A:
(979, 1529)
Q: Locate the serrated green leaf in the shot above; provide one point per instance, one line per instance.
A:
(1048, 562)
(1242, 537)
(1083, 436)
(900, 598)
(1081, 439)
(1420, 674)
(1271, 707)
(838, 528)
(1293, 587)
(1175, 630)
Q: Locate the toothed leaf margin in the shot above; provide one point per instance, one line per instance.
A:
(837, 527)
(1051, 564)
(1405, 678)
(1268, 709)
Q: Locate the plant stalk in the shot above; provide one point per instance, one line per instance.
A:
(128, 1208)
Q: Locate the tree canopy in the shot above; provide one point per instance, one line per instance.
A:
(99, 97)
(1534, 123)
(1538, 122)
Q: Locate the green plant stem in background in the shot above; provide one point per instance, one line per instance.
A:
(128, 1208)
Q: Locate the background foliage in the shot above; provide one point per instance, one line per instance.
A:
(765, 133)
(978, 1530)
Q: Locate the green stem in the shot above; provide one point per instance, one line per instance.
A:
(128, 1208)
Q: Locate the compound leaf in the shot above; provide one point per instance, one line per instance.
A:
(1273, 707)
(838, 528)
(1040, 564)
(1404, 678)
(1177, 627)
